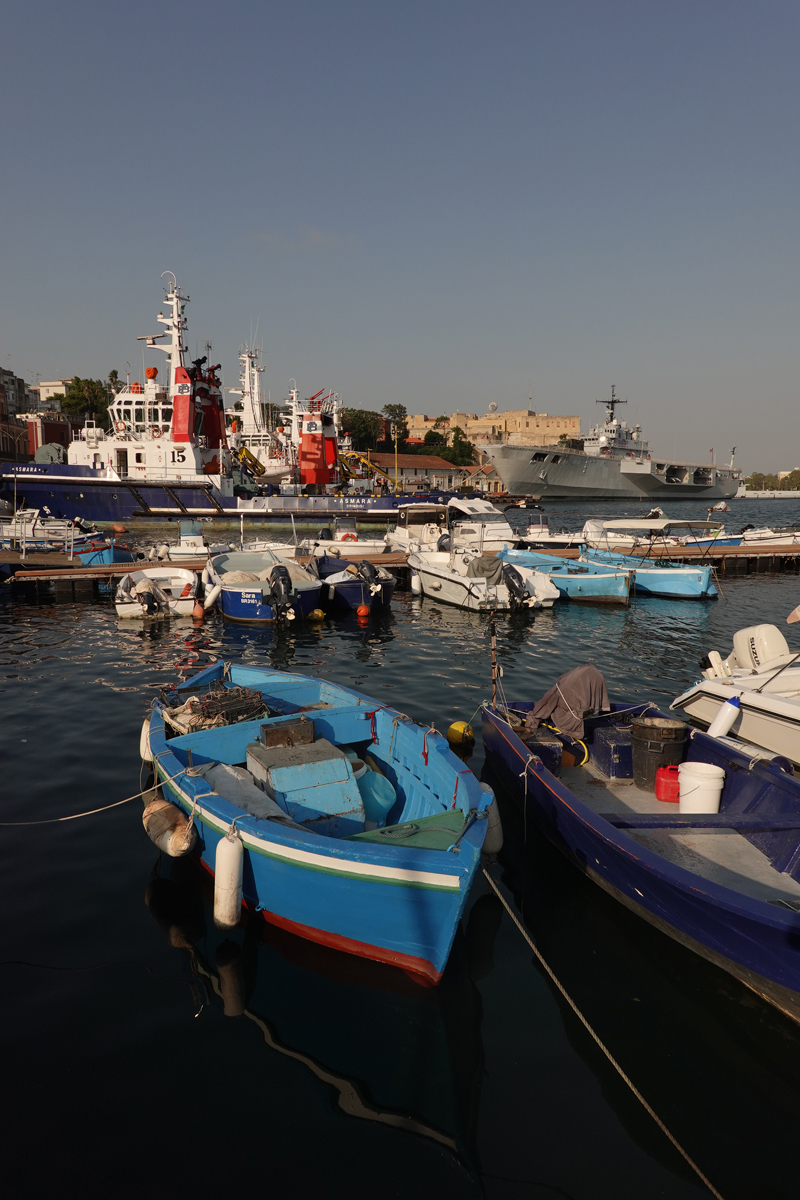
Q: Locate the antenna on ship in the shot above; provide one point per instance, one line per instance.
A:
(612, 403)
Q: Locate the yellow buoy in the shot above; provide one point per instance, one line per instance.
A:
(460, 733)
(316, 614)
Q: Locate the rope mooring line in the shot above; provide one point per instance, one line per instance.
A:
(92, 811)
(549, 971)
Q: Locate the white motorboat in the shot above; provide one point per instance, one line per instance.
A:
(539, 536)
(162, 591)
(641, 533)
(480, 582)
(192, 544)
(470, 523)
(345, 537)
(763, 674)
(781, 535)
(35, 529)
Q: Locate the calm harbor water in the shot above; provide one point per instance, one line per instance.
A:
(126, 1077)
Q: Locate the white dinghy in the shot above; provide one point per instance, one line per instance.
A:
(480, 582)
(162, 591)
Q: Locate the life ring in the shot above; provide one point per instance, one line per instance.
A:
(348, 537)
(155, 432)
(119, 426)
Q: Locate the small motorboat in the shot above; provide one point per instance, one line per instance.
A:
(36, 529)
(653, 533)
(258, 586)
(480, 583)
(761, 677)
(658, 577)
(724, 884)
(336, 817)
(780, 535)
(344, 534)
(162, 591)
(469, 524)
(354, 584)
(590, 581)
(539, 536)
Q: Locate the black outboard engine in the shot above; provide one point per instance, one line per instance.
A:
(517, 594)
(367, 572)
(443, 544)
(325, 535)
(280, 582)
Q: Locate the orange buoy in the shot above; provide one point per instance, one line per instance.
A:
(198, 612)
(136, 388)
(119, 529)
(362, 610)
(151, 373)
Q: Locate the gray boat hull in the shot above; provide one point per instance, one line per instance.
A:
(555, 474)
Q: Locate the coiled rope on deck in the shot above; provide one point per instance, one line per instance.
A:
(557, 982)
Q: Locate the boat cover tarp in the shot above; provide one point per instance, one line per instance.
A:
(576, 694)
(236, 785)
(486, 566)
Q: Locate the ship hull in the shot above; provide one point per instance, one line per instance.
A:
(555, 474)
(69, 491)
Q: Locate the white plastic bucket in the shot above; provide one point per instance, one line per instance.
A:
(700, 787)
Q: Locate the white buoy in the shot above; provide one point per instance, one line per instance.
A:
(416, 586)
(211, 597)
(145, 753)
(493, 842)
(167, 826)
(228, 865)
(725, 718)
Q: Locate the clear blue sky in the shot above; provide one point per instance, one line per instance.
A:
(425, 203)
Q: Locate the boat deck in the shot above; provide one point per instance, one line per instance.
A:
(723, 856)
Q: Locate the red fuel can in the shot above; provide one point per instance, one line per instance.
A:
(667, 785)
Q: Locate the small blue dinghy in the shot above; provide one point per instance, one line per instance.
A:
(651, 577)
(598, 582)
(381, 871)
(724, 884)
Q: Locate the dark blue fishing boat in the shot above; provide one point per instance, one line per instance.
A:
(351, 585)
(726, 884)
(366, 832)
(258, 586)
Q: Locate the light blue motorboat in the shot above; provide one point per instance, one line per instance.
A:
(597, 582)
(672, 580)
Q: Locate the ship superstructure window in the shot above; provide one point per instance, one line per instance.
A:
(166, 414)
(126, 414)
(139, 457)
(139, 415)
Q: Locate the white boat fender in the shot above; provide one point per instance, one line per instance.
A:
(726, 716)
(416, 586)
(205, 577)
(228, 869)
(231, 982)
(211, 597)
(145, 753)
(493, 842)
(163, 550)
(168, 827)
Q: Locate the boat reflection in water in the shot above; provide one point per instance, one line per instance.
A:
(390, 1051)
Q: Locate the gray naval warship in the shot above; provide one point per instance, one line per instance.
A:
(615, 463)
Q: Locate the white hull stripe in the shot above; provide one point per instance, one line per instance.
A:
(322, 862)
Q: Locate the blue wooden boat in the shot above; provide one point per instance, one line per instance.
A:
(726, 885)
(349, 585)
(259, 586)
(95, 556)
(597, 582)
(657, 578)
(394, 893)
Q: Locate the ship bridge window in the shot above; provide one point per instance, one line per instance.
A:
(126, 414)
(139, 415)
(166, 414)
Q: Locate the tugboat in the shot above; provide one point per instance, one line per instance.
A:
(173, 452)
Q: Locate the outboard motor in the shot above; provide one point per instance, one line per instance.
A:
(517, 593)
(325, 535)
(280, 582)
(367, 571)
(443, 544)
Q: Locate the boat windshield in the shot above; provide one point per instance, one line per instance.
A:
(483, 518)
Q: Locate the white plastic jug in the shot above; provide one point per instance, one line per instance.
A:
(700, 787)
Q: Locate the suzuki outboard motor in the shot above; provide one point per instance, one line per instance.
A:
(367, 572)
(443, 544)
(517, 594)
(280, 582)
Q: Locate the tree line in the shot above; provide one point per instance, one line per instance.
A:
(371, 431)
(760, 482)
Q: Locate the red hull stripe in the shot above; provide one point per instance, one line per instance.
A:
(407, 962)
